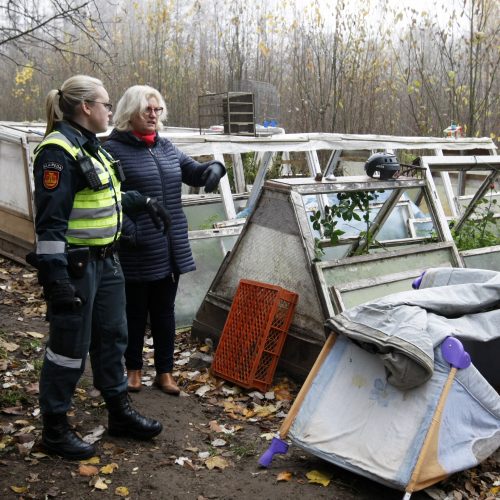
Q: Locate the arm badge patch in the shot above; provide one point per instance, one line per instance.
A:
(50, 179)
(51, 174)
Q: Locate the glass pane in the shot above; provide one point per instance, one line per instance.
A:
(208, 254)
(349, 273)
(397, 225)
(204, 214)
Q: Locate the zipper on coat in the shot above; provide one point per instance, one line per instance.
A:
(169, 239)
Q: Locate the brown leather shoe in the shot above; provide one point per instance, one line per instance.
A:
(166, 383)
(134, 380)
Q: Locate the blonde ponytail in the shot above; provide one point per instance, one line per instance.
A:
(61, 103)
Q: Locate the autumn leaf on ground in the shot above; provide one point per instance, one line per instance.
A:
(318, 477)
(13, 410)
(122, 491)
(203, 390)
(284, 476)
(95, 435)
(32, 388)
(98, 483)
(268, 436)
(35, 335)
(495, 490)
(8, 346)
(216, 462)
(19, 489)
(92, 460)
(109, 469)
(264, 411)
(283, 395)
(87, 470)
(218, 442)
(214, 426)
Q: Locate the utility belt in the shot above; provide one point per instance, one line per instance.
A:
(80, 256)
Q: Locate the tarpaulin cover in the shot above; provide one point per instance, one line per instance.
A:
(353, 417)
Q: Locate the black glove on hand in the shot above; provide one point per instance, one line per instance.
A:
(212, 175)
(62, 295)
(158, 214)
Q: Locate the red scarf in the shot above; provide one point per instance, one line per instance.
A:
(149, 139)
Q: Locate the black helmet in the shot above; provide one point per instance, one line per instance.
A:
(382, 166)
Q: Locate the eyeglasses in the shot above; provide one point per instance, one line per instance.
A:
(107, 105)
(156, 111)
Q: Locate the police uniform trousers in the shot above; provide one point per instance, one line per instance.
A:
(98, 327)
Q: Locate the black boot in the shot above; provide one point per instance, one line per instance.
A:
(124, 421)
(58, 437)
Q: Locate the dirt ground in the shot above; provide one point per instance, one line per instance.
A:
(213, 433)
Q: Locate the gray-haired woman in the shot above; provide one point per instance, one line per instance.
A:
(153, 261)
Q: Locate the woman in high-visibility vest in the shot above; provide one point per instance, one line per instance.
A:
(78, 222)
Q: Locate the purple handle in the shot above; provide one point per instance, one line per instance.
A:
(417, 281)
(453, 351)
(277, 446)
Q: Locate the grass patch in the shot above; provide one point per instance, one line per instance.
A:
(12, 397)
(37, 365)
(243, 450)
(30, 345)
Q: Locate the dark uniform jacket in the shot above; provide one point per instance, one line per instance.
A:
(146, 254)
(58, 178)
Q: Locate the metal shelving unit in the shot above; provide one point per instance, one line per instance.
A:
(235, 111)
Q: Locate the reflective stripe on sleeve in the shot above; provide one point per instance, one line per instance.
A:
(60, 360)
(50, 247)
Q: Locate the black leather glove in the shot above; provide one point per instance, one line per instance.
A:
(212, 175)
(158, 214)
(133, 202)
(62, 295)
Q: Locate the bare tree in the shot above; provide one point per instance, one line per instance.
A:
(27, 26)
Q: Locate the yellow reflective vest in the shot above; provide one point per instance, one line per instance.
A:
(96, 216)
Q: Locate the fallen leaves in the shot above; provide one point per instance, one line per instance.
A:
(238, 424)
(95, 435)
(35, 335)
(284, 476)
(216, 462)
(122, 491)
(19, 489)
(319, 477)
(87, 470)
(109, 469)
(218, 442)
(8, 346)
(97, 483)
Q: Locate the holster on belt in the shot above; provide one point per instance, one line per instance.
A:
(78, 259)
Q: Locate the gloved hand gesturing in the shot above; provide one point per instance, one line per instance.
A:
(63, 295)
(158, 214)
(212, 175)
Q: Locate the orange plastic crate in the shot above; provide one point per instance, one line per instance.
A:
(254, 334)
